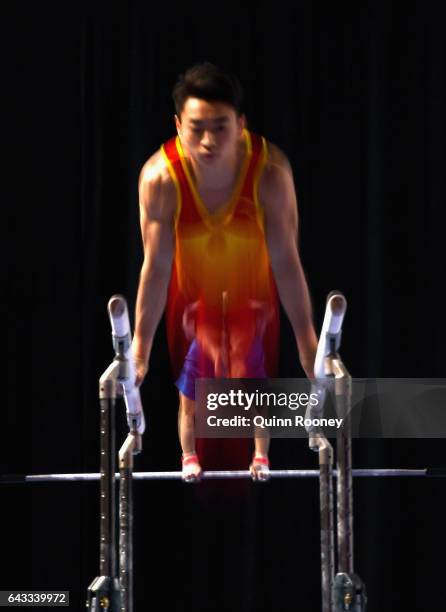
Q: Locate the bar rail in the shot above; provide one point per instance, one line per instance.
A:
(221, 475)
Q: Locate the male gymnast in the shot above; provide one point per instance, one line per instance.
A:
(219, 224)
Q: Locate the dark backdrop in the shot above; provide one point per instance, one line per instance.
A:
(356, 98)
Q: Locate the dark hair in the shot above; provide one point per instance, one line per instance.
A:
(210, 83)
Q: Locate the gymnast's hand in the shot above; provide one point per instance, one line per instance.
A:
(141, 368)
(307, 346)
(307, 362)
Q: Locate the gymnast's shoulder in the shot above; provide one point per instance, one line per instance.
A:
(277, 176)
(157, 192)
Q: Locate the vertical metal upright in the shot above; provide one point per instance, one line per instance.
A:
(325, 450)
(345, 592)
(130, 447)
(104, 592)
(344, 469)
(110, 592)
(349, 590)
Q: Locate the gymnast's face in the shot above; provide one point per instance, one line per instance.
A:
(209, 131)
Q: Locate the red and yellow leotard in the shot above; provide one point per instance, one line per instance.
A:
(221, 276)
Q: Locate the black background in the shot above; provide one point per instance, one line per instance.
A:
(356, 98)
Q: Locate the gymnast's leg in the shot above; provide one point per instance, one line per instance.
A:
(242, 368)
(186, 432)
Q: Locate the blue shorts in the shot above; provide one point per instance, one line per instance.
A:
(196, 365)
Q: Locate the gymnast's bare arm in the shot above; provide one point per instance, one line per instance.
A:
(157, 205)
(277, 195)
